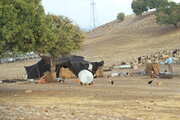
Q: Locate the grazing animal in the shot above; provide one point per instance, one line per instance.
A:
(139, 60)
(175, 51)
(111, 82)
(150, 82)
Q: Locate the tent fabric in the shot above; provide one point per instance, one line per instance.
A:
(170, 60)
(37, 70)
(74, 63)
(174, 69)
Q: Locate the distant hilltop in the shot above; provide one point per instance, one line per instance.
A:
(115, 42)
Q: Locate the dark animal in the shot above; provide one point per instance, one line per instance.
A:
(139, 60)
(175, 51)
(123, 63)
(150, 82)
(111, 82)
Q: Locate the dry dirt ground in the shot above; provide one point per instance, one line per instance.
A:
(130, 98)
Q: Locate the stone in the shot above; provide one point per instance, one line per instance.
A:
(28, 91)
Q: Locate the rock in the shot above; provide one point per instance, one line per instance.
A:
(138, 102)
(149, 61)
(42, 81)
(156, 61)
(159, 83)
(72, 113)
(28, 91)
(64, 116)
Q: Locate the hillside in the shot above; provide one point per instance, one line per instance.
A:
(116, 42)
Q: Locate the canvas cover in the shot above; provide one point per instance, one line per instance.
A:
(171, 60)
(174, 69)
(74, 63)
(37, 70)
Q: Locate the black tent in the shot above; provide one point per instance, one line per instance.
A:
(37, 70)
(74, 63)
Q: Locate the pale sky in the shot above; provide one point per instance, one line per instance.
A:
(80, 11)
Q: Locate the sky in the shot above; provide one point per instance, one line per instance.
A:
(80, 11)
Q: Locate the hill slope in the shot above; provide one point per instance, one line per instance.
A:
(135, 36)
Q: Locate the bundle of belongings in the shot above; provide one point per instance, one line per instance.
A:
(74, 63)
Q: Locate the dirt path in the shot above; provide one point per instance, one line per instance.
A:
(128, 99)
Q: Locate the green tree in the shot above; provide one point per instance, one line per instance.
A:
(120, 17)
(66, 38)
(155, 3)
(22, 24)
(168, 14)
(139, 6)
(25, 28)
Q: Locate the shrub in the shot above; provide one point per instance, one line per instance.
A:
(120, 17)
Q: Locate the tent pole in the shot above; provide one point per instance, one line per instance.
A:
(38, 70)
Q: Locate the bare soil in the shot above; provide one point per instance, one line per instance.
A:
(129, 98)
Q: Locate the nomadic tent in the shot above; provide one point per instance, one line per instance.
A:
(74, 63)
(151, 67)
(171, 66)
(174, 69)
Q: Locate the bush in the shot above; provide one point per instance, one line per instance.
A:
(120, 17)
